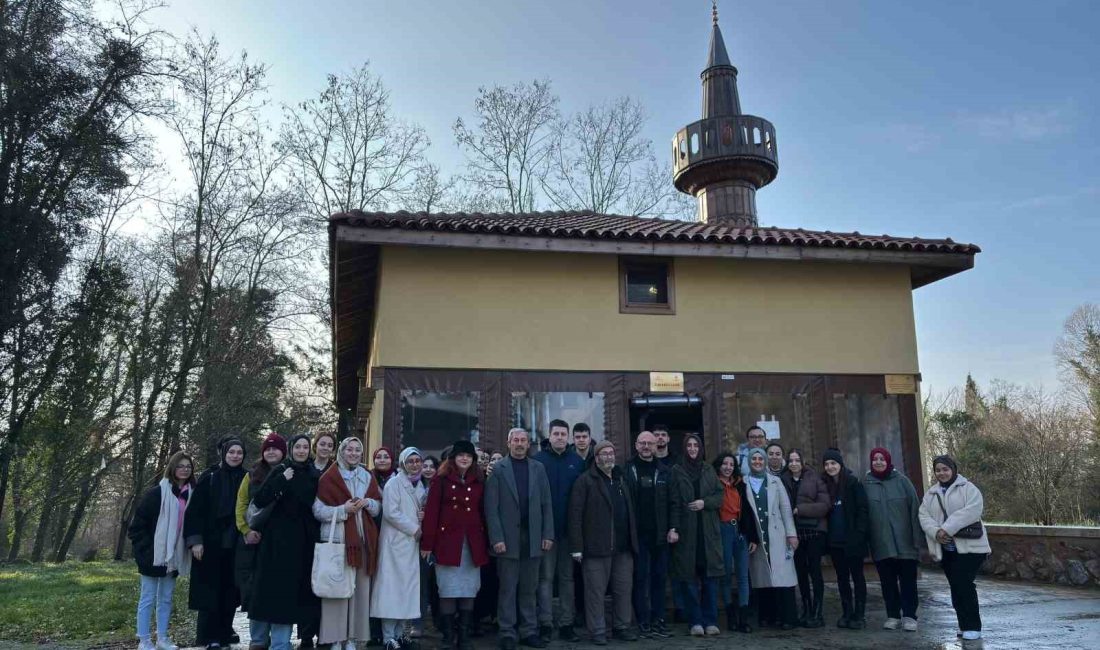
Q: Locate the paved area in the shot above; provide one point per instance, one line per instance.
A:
(1015, 615)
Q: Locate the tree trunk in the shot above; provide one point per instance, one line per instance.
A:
(124, 528)
(87, 489)
(20, 527)
(46, 517)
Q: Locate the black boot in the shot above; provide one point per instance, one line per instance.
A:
(857, 622)
(815, 618)
(846, 617)
(744, 619)
(464, 629)
(731, 618)
(446, 627)
(806, 611)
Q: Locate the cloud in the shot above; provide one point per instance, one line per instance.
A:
(913, 138)
(1028, 125)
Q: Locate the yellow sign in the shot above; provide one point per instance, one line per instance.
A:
(666, 382)
(901, 384)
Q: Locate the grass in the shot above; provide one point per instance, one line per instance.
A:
(79, 604)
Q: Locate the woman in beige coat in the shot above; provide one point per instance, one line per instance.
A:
(771, 567)
(350, 493)
(951, 504)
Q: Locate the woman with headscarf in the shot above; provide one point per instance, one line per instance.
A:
(739, 540)
(810, 499)
(210, 531)
(772, 565)
(349, 493)
(429, 595)
(696, 565)
(777, 459)
(382, 466)
(156, 533)
(272, 453)
(847, 534)
(454, 534)
(282, 591)
(896, 538)
(398, 577)
(951, 505)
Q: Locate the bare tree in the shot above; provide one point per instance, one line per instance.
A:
(1077, 352)
(601, 161)
(347, 150)
(509, 143)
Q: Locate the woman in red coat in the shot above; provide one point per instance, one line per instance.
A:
(454, 533)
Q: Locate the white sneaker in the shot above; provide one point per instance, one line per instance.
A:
(145, 644)
(166, 644)
(696, 630)
(971, 635)
(712, 630)
(891, 624)
(348, 645)
(909, 624)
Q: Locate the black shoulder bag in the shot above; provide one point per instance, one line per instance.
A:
(969, 531)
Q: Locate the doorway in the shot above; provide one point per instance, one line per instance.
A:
(682, 414)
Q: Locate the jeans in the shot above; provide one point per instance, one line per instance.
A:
(735, 554)
(280, 636)
(961, 569)
(259, 633)
(392, 629)
(650, 570)
(893, 572)
(156, 593)
(702, 611)
(849, 573)
(556, 569)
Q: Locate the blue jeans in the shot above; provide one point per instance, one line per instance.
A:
(259, 633)
(700, 612)
(155, 593)
(735, 554)
(280, 636)
(650, 569)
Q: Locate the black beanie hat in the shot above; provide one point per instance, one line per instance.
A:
(833, 454)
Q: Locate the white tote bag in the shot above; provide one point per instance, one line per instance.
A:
(332, 577)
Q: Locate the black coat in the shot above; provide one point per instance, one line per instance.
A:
(143, 528)
(662, 500)
(593, 515)
(281, 589)
(857, 517)
(691, 525)
(746, 521)
(212, 586)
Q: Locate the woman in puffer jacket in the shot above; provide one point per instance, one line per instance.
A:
(951, 504)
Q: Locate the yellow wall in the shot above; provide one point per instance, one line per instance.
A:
(452, 308)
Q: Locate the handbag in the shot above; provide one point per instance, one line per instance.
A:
(969, 531)
(331, 576)
(256, 517)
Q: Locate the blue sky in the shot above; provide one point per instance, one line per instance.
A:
(964, 119)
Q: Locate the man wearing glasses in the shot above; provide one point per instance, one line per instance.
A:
(603, 539)
(647, 481)
(754, 438)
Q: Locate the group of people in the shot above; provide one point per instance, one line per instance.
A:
(577, 519)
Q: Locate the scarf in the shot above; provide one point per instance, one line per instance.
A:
(405, 453)
(169, 550)
(333, 491)
(379, 475)
(226, 481)
(693, 466)
(884, 474)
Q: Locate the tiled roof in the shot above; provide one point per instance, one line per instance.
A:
(588, 225)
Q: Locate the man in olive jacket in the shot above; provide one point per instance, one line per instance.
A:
(603, 538)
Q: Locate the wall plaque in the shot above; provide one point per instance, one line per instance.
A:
(901, 384)
(666, 382)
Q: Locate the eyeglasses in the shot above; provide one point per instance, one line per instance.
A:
(606, 454)
(645, 443)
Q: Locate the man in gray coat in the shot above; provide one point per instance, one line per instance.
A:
(520, 518)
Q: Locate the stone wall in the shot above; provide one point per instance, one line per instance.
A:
(1064, 555)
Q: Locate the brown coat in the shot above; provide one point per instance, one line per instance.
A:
(811, 499)
(592, 515)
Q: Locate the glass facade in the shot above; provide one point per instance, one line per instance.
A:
(433, 421)
(534, 411)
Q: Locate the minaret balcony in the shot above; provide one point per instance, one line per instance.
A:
(744, 138)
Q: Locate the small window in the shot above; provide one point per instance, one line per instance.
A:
(646, 287)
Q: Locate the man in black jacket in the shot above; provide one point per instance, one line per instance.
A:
(647, 481)
(602, 537)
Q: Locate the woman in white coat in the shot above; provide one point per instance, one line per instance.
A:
(397, 585)
(771, 567)
(949, 505)
(348, 492)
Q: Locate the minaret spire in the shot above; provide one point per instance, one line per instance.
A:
(714, 12)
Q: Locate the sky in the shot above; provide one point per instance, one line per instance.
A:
(974, 120)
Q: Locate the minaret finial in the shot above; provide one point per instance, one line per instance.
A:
(714, 11)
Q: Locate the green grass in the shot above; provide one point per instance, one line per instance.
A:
(78, 603)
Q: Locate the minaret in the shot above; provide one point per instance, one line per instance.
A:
(725, 157)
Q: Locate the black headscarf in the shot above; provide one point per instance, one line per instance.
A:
(950, 462)
(226, 480)
(693, 467)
